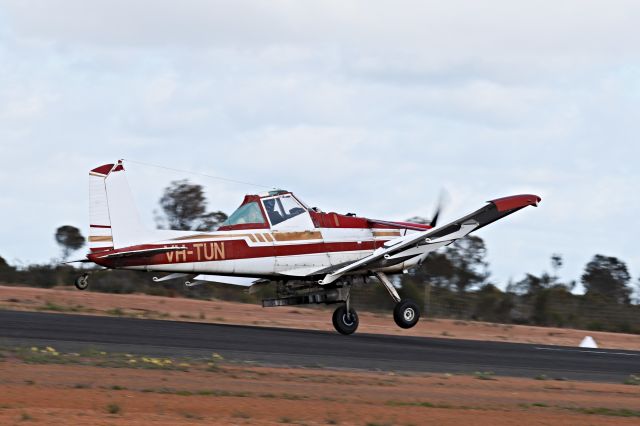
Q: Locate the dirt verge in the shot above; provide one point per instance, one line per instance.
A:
(182, 309)
(34, 388)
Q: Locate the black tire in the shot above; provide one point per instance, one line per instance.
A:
(82, 282)
(345, 323)
(406, 313)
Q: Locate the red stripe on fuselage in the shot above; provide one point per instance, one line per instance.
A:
(227, 250)
(101, 249)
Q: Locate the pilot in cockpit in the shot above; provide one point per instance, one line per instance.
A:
(274, 216)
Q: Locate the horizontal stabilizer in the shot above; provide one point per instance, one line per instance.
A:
(223, 279)
(75, 261)
(141, 253)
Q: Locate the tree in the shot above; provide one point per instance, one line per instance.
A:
(493, 304)
(607, 277)
(6, 271)
(556, 264)
(460, 267)
(70, 239)
(467, 256)
(542, 290)
(211, 221)
(184, 207)
(532, 284)
(437, 270)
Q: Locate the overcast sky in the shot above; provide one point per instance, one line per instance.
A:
(357, 106)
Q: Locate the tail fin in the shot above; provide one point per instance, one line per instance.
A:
(114, 219)
(100, 237)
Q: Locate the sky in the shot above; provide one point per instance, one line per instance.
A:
(370, 107)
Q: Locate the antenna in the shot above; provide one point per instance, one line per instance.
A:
(239, 182)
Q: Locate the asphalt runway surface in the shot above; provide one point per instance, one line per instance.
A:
(319, 349)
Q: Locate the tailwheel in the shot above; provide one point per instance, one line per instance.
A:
(345, 321)
(406, 313)
(82, 282)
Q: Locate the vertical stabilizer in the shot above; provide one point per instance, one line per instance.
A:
(100, 237)
(115, 222)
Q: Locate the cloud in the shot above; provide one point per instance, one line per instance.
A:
(580, 27)
(358, 106)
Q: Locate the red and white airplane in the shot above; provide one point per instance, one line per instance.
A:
(314, 257)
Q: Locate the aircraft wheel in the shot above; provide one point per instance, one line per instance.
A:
(82, 282)
(406, 313)
(345, 322)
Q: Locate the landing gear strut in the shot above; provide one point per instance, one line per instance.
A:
(406, 313)
(82, 282)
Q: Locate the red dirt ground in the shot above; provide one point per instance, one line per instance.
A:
(233, 394)
(66, 299)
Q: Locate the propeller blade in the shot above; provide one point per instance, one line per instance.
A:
(434, 221)
(442, 201)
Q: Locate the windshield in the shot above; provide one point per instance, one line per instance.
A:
(282, 208)
(248, 213)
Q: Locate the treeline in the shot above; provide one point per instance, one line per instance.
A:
(117, 282)
(454, 282)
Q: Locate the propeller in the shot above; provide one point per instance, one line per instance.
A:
(442, 202)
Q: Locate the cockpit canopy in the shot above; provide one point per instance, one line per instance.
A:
(282, 207)
(264, 211)
(245, 214)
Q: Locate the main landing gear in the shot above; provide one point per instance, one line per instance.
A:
(345, 322)
(345, 319)
(406, 313)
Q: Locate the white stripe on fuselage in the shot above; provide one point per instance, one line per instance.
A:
(299, 264)
(260, 266)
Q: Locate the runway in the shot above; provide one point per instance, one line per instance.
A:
(295, 348)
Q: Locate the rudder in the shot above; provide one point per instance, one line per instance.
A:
(100, 237)
(114, 219)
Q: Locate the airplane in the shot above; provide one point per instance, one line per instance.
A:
(313, 257)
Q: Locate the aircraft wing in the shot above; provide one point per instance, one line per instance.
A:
(421, 243)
